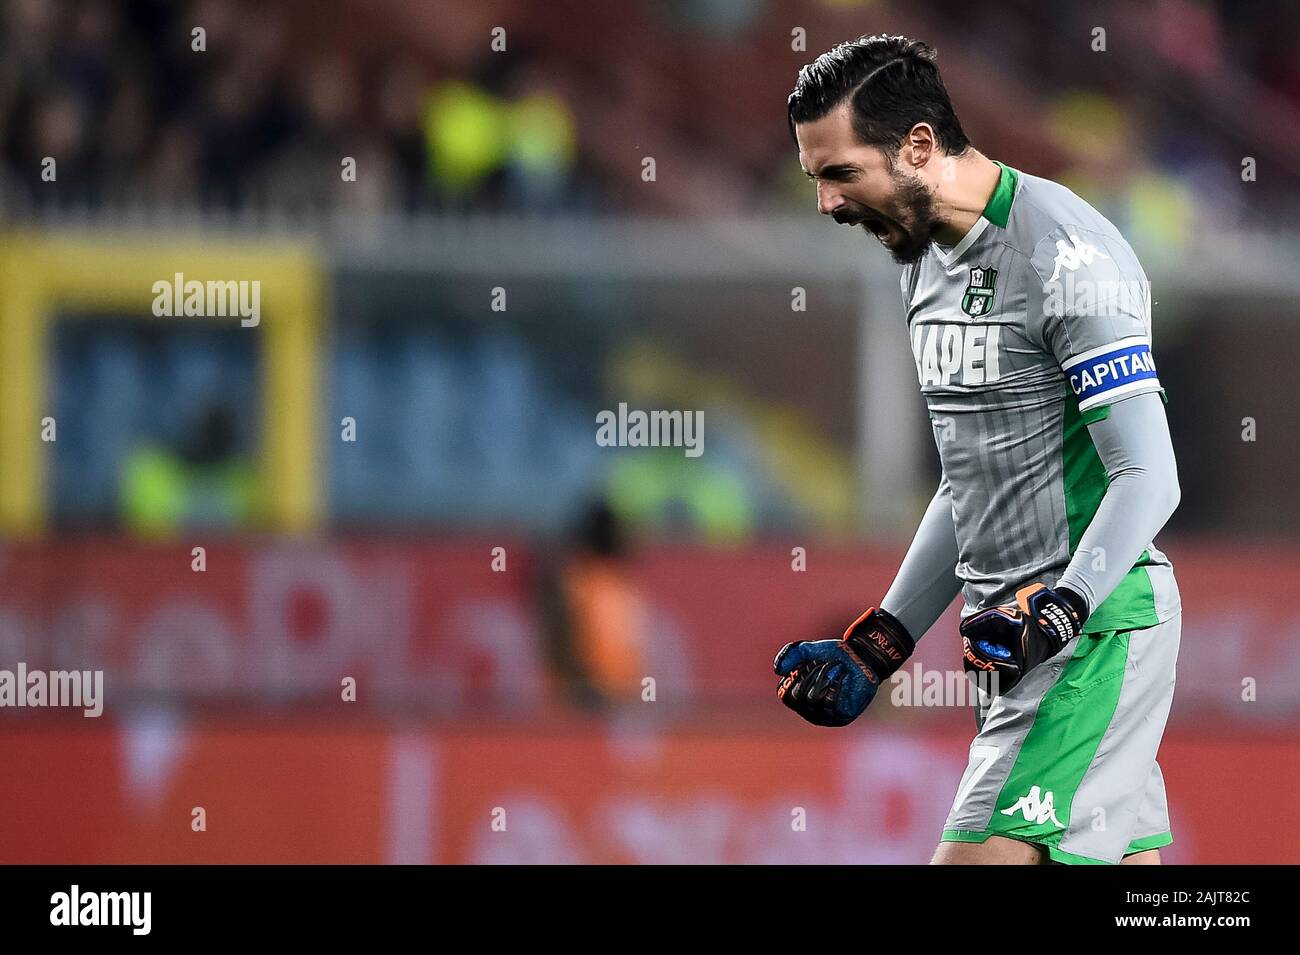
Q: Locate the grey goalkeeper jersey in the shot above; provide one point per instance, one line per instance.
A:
(1030, 336)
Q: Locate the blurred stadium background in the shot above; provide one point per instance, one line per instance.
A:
(496, 583)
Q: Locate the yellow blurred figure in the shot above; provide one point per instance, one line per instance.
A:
(465, 130)
(204, 484)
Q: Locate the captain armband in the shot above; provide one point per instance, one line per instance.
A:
(1102, 375)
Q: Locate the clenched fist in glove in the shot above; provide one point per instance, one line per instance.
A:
(1009, 641)
(830, 682)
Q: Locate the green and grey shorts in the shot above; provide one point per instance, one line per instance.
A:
(1067, 758)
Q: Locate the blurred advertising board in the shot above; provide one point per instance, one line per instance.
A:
(434, 624)
(303, 791)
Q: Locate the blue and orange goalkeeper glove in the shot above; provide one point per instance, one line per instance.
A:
(1007, 642)
(830, 682)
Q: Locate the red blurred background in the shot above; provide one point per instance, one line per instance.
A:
(458, 716)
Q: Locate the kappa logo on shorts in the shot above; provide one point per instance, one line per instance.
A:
(1036, 808)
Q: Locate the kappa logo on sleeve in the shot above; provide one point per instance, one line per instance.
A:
(1070, 255)
(1112, 371)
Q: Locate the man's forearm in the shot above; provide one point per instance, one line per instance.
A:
(1134, 447)
(926, 582)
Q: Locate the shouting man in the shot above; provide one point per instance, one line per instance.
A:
(1030, 322)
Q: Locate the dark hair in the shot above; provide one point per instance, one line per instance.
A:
(893, 83)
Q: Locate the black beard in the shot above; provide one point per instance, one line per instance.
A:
(922, 221)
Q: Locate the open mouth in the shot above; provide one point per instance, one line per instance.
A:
(877, 228)
(874, 224)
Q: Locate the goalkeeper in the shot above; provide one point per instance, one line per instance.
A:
(1030, 322)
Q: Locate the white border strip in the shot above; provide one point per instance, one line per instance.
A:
(967, 241)
(1106, 349)
(1123, 391)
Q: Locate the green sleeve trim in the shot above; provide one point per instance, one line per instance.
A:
(964, 835)
(1093, 415)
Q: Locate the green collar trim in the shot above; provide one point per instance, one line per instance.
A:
(998, 211)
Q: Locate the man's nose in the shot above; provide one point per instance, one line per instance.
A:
(828, 198)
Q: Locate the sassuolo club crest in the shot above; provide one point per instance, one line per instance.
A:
(978, 299)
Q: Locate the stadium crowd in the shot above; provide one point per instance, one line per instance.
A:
(138, 111)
